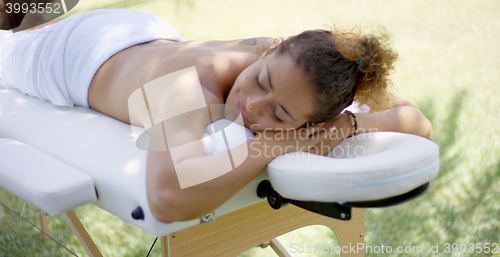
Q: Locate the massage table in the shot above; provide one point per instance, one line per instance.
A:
(60, 158)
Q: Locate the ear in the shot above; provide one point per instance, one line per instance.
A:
(272, 47)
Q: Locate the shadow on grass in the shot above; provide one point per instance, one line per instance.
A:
(441, 215)
(447, 137)
(485, 185)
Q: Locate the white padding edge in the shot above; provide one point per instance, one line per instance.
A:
(43, 180)
(366, 167)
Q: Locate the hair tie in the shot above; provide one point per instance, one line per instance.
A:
(359, 63)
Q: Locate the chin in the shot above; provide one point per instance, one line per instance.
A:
(247, 124)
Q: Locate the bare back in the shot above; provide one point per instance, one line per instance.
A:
(218, 64)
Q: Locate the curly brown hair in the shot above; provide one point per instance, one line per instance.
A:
(343, 65)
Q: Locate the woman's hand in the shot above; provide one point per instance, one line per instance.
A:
(341, 127)
(404, 117)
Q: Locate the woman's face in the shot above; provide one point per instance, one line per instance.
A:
(273, 93)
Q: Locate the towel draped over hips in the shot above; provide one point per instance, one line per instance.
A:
(57, 62)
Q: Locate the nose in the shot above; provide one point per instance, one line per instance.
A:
(255, 105)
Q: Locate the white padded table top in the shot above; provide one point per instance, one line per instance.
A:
(42, 180)
(105, 149)
(102, 147)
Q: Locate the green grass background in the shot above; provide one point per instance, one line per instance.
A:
(449, 68)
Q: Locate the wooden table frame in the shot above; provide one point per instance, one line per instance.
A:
(234, 233)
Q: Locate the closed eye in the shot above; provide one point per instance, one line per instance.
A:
(274, 107)
(276, 116)
(258, 83)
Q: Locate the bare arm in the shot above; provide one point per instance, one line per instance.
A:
(403, 117)
(182, 182)
(167, 170)
(168, 202)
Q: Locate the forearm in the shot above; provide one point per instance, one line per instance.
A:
(171, 203)
(403, 118)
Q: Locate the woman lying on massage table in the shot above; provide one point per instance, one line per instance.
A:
(298, 85)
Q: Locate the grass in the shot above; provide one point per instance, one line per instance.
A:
(449, 68)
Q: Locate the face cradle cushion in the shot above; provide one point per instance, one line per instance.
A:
(366, 167)
(362, 168)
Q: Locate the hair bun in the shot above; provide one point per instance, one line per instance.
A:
(373, 56)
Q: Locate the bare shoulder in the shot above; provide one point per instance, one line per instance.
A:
(255, 45)
(265, 42)
(217, 63)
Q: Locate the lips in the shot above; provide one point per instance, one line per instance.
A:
(238, 104)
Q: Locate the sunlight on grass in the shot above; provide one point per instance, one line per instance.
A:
(449, 67)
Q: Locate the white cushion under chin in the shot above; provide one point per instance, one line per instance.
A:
(366, 167)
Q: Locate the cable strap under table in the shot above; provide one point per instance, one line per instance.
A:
(24, 218)
(152, 247)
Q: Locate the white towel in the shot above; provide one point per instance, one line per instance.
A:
(221, 131)
(57, 62)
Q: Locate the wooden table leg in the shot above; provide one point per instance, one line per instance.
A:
(45, 226)
(165, 247)
(82, 235)
(278, 248)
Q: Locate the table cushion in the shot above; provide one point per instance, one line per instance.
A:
(42, 180)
